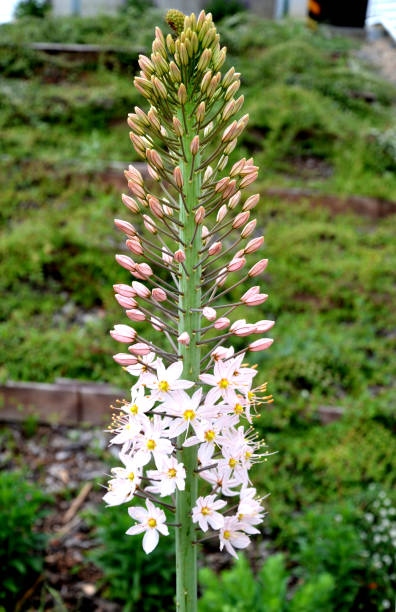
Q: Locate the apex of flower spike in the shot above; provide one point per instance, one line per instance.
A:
(175, 19)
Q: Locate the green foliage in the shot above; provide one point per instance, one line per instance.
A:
(237, 590)
(32, 8)
(21, 546)
(132, 578)
(224, 8)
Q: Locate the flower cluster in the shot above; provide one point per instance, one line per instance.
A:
(192, 406)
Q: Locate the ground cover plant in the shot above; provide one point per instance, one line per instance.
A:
(326, 122)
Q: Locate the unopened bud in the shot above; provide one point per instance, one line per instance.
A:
(236, 264)
(263, 326)
(221, 213)
(231, 146)
(248, 179)
(123, 333)
(124, 359)
(177, 126)
(215, 248)
(258, 268)
(126, 262)
(125, 290)
(240, 219)
(125, 302)
(167, 256)
(136, 189)
(174, 72)
(208, 173)
(130, 203)
(249, 228)
(221, 323)
(231, 90)
(200, 114)
(158, 294)
(237, 167)
(149, 224)
(140, 348)
(135, 315)
(125, 227)
(182, 94)
(254, 245)
(229, 132)
(209, 313)
(194, 146)
(155, 206)
(260, 345)
(199, 215)
(141, 290)
(184, 338)
(251, 202)
(179, 256)
(177, 175)
(144, 270)
(135, 246)
(234, 201)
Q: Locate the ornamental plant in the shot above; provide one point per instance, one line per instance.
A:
(192, 406)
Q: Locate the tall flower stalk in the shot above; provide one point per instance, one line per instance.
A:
(190, 246)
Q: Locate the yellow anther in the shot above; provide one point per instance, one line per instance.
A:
(152, 522)
(226, 535)
(238, 409)
(172, 473)
(163, 385)
(232, 462)
(134, 409)
(189, 414)
(209, 435)
(151, 444)
(205, 510)
(223, 383)
(131, 476)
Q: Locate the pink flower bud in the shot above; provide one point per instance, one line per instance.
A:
(248, 179)
(249, 228)
(124, 359)
(177, 175)
(158, 294)
(123, 333)
(237, 167)
(184, 338)
(149, 224)
(179, 256)
(250, 292)
(194, 146)
(135, 315)
(222, 184)
(136, 189)
(141, 290)
(144, 270)
(221, 277)
(215, 248)
(263, 326)
(209, 313)
(229, 190)
(157, 324)
(125, 227)
(154, 158)
(222, 323)
(256, 300)
(125, 290)
(245, 330)
(260, 345)
(221, 213)
(167, 257)
(126, 262)
(199, 215)
(155, 206)
(228, 133)
(221, 353)
(135, 246)
(251, 202)
(254, 245)
(125, 302)
(236, 264)
(205, 232)
(240, 219)
(258, 268)
(134, 174)
(234, 201)
(130, 203)
(140, 348)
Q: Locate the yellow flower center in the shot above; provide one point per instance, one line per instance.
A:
(205, 510)
(223, 383)
(250, 395)
(240, 517)
(227, 535)
(151, 444)
(131, 476)
(189, 414)
(238, 409)
(127, 427)
(134, 409)
(172, 473)
(163, 385)
(152, 522)
(248, 454)
(209, 435)
(232, 462)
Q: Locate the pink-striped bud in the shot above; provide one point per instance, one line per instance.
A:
(158, 294)
(260, 345)
(136, 189)
(135, 315)
(167, 256)
(251, 202)
(154, 158)
(237, 167)
(125, 302)
(258, 268)
(236, 264)
(240, 219)
(149, 224)
(126, 262)
(234, 201)
(209, 313)
(241, 328)
(157, 324)
(263, 326)
(125, 290)
(252, 291)
(221, 353)
(184, 338)
(130, 203)
(177, 175)
(155, 206)
(256, 300)
(182, 94)
(228, 133)
(248, 179)
(135, 246)
(141, 290)
(194, 146)
(221, 323)
(179, 256)
(221, 213)
(140, 348)
(222, 184)
(229, 190)
(221, 277)
(205, 233)
(133, 174)
(153, 173)
(199, 215)
(215, 248)
(249, 228)
(254, 245)
(144, 270)
(123, 333)
(124, 359)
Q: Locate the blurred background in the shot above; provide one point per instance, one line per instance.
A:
(319, 80)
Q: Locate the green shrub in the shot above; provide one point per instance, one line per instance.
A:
(131, 577)
(237, 590)
(21, 545)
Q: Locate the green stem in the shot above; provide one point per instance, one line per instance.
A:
(189, 301)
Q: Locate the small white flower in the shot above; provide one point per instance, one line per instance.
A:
(231, 536)
(151, 521)
(205, 512)
(153, 442)
(122, 487)
(170, 476)
(167, 380)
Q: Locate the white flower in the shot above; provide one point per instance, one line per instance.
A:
(127, 432)
(122, 487)
(204, 512)
(250, 512)
(139, 404)
(220, 478)
(167, 380)
(142, 369)
(153, 442)
(151, 521)
(184, 408)
(231, 536)
(169, 476)
(228, 377)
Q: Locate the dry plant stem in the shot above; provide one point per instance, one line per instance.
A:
(186, 552)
